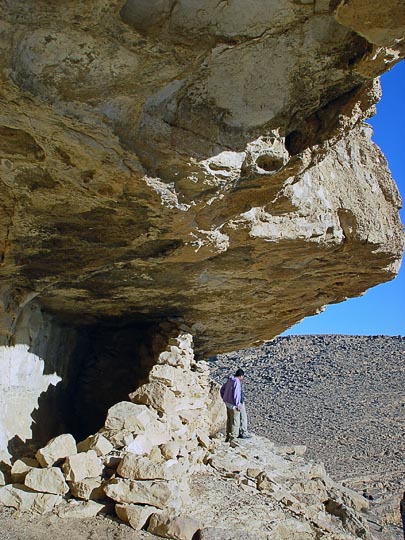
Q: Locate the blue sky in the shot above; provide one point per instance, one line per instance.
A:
(381, 310)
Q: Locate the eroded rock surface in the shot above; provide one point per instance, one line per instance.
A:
(204, 161)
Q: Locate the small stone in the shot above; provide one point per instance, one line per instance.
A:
(21, 468)
(3, 479)
(98, 443)
(170, 450)
(113, 459)
(56, 450)
(176, 528)
(155, 455)
(253, 472)
(133, 514)
(266, 484)
(203, 439)
(119, 439)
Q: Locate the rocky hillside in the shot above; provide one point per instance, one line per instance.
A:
(341, 396)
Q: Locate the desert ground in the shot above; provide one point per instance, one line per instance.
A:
(341, 396)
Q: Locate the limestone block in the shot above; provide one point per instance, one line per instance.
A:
(142, 468)
(177, 528)
(133, 417)
(175, 357)
(350, 498)
(56, 450)
(159, 493)
(88, 489)
(119, 439)
(100, 444)
(172, 376)
(158, 432)
(140, 445)
(179, 352)
(253, 472)
(2, 479)
(135, 515)
(228, 462)
(266, 484)
(189, 404)
(50, 480)
(189, 416)
(80, 509)
(22, 498)
(83, 465)
(176, 427)
(198, 456)
(20, 469)
(156, 395)
(170, 450)
(202, 367)
(155, 455)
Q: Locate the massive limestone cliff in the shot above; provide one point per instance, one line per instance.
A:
(200, 163)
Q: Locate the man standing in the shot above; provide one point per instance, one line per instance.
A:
(231, 394)
(402, 510)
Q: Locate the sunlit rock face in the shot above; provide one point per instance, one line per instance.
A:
(200, 161)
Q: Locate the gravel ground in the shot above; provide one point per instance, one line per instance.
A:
(342, 396)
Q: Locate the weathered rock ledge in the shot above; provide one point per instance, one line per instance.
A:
(157, 464)
(207, 162)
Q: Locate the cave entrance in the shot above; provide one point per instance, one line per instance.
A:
(98, 366)
(111, 361)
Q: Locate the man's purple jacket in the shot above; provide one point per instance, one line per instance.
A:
(231, 391)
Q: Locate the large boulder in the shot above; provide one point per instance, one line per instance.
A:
(22, 498)
(49, 480)
(129, 416)
(158, 493)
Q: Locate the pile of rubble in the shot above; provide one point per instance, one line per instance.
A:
(157, 464)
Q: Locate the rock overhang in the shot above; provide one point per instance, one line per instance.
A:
(214, 169)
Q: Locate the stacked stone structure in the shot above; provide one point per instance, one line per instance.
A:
(147, 461)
